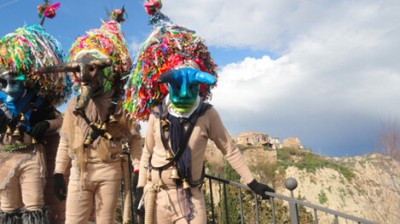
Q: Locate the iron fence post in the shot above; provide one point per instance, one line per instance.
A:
(212, 201)
(225, 203)
(241, 205)
(291, 184)
(273, 210)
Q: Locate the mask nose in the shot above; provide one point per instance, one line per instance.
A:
(184, 92)
(85, 73)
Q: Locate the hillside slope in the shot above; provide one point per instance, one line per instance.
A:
(365, 186)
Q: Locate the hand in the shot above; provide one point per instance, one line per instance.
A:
(39, 130)
(138, 212)
(260, 189)
(59, 186)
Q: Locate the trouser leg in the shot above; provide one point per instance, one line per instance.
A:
(79, 203)
(11, 196)
(31, 186)
(106, 199)
(199, 208)
(171, 207)
(22, 200)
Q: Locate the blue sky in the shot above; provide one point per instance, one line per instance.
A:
(324, 71)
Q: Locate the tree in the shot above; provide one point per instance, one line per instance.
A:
(389, 140)
(389, 145)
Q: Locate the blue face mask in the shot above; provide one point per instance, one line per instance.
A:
(184, 86)
(13, 87)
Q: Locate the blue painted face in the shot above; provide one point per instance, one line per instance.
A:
(184, 86)
(13, 87)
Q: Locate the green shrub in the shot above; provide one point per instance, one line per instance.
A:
(322, 197)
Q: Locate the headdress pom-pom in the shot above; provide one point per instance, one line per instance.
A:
(152, 6)
(118, 15)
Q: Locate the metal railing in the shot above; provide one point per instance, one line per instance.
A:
(294, 204)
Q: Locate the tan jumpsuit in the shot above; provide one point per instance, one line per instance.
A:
(22, 173)
(96, 172)
(167, 208)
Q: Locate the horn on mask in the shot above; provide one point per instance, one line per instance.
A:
(66, 67)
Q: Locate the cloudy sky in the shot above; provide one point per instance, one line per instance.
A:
(324, 71)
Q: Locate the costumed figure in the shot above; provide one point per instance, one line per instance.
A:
(169, 86)
(28, 117)
(95, 131)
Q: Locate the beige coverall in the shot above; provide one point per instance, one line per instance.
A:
(167, 208)
(96, 172)
(22, 173)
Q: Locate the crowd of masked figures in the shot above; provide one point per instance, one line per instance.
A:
(168, 84)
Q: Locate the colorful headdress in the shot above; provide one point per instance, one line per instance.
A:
(28, 49)
(109, 40)
(167, 47)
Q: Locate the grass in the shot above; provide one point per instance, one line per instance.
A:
(310, 162)
(322, 197)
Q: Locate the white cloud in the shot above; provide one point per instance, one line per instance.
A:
(252, 82)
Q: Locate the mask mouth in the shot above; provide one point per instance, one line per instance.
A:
(98, 90)
(14, 95)
(182, 109)
(183, 105)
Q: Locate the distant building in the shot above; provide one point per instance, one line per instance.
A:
(275, 143)
(252, 138)
(262, 139)
(292, 142)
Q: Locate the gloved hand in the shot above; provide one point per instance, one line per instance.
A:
(139, 212)
(259, 189)
(39, 130)
(59, 186)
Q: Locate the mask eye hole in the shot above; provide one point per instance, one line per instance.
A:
(175, 87)
(192, 87)
(91, 69)
(3, 83)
